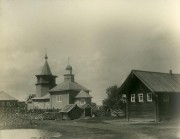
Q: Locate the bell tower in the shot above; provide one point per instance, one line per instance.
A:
(69, 76)
(45, 80)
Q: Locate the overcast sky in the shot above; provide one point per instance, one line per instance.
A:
(105, 40)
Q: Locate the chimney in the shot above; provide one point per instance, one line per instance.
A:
(170, 71)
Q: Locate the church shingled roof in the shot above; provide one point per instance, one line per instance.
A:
(46, 69)
(68, 85)
(83, 94)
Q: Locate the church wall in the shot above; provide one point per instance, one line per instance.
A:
(55, 103)
(42, 90)
(38, 105)
(41, 104)
(30, 106)
(47, 105)
(72, 95)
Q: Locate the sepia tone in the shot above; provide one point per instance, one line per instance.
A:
(60, 60)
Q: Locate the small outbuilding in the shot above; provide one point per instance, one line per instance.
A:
(7, 101)
(87, 110)
(70, 112)
(152, 95)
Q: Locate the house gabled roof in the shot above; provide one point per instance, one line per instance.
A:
(68, 85)
(159, 82)
(83, 94)
(5, 96)
(68, 108)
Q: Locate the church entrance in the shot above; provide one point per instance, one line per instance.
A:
(88, 111)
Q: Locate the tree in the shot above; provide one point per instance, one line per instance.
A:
(94, 106)
(114, 100)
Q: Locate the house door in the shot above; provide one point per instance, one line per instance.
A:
(164, 106)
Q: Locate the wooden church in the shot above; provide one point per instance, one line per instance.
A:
(49, 95)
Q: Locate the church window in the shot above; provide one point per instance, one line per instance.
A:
(59, 98)
(82, 101)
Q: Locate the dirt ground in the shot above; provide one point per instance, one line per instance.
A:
(103, 128)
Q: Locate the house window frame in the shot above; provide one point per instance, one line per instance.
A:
(133, 98)
(59, 98)
(149, 99)
(141, 99)
(82, 102)
(166, 97)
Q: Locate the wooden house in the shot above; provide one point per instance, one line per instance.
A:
(70, 112)
(152, 95)
(7, 102)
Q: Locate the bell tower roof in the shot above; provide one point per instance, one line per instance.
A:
(46, 69)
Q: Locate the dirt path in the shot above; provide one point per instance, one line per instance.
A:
(109, 129)
(76, 129)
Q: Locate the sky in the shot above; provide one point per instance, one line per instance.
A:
(104, 39)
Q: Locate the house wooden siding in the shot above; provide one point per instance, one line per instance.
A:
(8, 103)
(138, 109)
(165, 90)
(169, 108)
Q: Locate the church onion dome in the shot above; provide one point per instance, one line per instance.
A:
(69, 67)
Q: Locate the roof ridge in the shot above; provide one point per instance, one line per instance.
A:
(155, 72)
(145, 83)
(175, 80)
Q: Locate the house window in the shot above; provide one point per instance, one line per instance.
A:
(149, 97)
(59, 98)
(8, 103)
(166, 97)
(82, 101)
(132, 97)
(140, 96)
